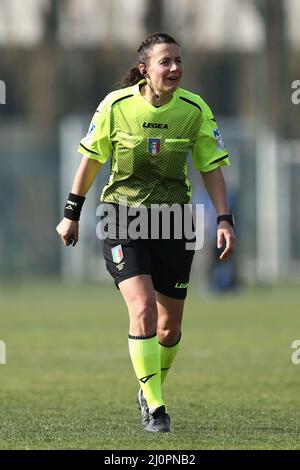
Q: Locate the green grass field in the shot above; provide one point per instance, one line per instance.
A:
(68, 382)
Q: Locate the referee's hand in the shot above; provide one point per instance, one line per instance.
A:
(225, 236)
(68, 231)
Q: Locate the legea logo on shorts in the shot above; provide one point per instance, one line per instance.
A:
(160, 221)
(181, 285)
(2, 92)
(2, 352)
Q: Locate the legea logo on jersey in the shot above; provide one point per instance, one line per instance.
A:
(155, 125)
(154, 146)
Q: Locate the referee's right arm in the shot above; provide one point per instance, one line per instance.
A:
(84, 178)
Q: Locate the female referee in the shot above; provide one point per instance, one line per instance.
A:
(148, 127)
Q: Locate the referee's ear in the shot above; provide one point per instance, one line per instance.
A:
(143, 71)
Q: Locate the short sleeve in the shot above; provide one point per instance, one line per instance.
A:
(209, 151)
(96, 144)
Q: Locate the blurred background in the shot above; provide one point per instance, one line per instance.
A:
(58, 60)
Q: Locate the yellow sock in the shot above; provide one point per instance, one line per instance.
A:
(167, 356)
(145, 356)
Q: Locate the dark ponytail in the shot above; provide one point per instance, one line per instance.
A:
(133, 76)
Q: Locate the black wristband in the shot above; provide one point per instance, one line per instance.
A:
(73, 206)
(228, 217)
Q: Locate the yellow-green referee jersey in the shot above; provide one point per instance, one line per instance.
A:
(149, 145)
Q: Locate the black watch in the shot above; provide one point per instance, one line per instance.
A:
(228, 217)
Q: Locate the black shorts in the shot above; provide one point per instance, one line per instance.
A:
(166, 260)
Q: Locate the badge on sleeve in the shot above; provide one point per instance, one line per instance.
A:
(219, 139)
(89, 135)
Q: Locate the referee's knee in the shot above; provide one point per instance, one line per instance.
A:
(169, 336)
(143, 318)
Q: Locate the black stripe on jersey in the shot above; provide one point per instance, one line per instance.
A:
(85, 148)
(120, 99)
(191, 102)
(219, 159)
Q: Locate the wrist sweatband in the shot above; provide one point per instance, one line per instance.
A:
(73, 206)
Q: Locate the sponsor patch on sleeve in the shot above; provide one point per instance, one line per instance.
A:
(219, 140)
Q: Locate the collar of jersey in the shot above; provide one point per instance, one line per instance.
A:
(136, 90)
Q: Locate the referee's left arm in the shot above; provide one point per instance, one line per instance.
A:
(216, 188)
